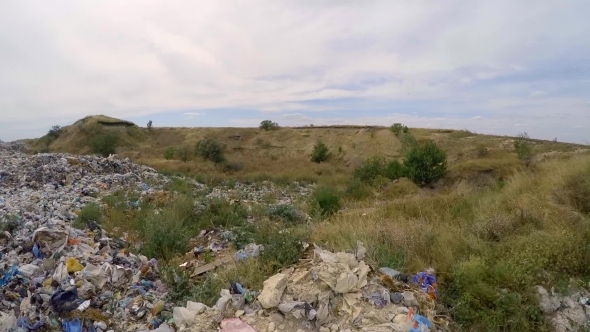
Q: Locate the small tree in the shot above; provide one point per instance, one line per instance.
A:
(523, 148)
(210, 149)
(396, 128)
(268, 125)
(169, 153)
(425, 163)
(149, 125)
(320, 152)
(104, 145)
(405, 130)
(54, 132)
(327, 200)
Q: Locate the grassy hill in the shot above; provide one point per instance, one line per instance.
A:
(493, 227)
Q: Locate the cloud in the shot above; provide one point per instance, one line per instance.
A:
(191, 115)
(538, 93)
(66, 59)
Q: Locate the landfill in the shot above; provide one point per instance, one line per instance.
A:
(55, 277)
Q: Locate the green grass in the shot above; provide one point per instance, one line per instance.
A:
(90, 212)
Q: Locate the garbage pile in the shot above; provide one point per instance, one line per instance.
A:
(258, 192)
(54, 277)
(331, 292)
(566, 312)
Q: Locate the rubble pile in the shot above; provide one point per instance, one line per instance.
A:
(54, 277)
(258, 192)
(566, 313)
(329, 293)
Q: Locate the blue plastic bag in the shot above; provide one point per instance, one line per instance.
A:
(73, 325)
(13, 271)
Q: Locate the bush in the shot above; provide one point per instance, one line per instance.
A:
(149, 125)
(210, 149)
(54, 132)
(370, 169)
(396, 128)
(425, 163)
(268, 125)
(408, 142)
(394, 170)
(90, 212)
(104, 145)
(320, 152)
(358, 190)
(282, 247)
(405, 130)
(286, 213)
(523, 148)
(169, 153)
(327, 200)
(232, 166)
(184, 153)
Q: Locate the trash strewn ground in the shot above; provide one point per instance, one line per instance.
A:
(328, 292)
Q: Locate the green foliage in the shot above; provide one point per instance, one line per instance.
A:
(523, 148)
(576, 190)
(210, 149)
(282, 247)
(184, 153)
(90, 212)
(104, 145)
(397, 128)
(268, 125)
(149, 125)
(357, 189)
(374, 167)
(286, 213)
(408, 142)
(169, 153)
(405, 130)
(220, 213)
(327, 200)
(425, 163)
(320, 152)
(54, 132)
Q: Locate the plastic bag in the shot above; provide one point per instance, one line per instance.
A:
(65, 300)
(225, 297)
(235, 325)
(72, 265)
(73, 325)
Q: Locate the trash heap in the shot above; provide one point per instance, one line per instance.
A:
(54, 277)
(330, 292)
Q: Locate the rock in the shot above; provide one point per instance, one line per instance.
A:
(273, 290)
(271, 327)
(409, 299)
(239, 313)
(548, 303)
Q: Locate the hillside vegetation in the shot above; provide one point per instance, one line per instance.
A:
(495, 225)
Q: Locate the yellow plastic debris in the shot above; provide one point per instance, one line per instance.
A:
(72, 265)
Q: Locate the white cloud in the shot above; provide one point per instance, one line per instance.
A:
(538, 93)
(65, 59)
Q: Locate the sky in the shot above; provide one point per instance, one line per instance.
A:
(494, 67)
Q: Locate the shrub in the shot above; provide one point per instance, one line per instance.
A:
(396, 128)
(184, 153)
(282, 247)
(232, 166)
(523, 148)
(327, 200)
(54, 132)
(149, 125)
(90, 212)
(320, 152)
(286, 213)
(169, 153)
(370, 169)
(357, 190)
(408, 142)
(577, 190)
(210, 149)
(394, 170)
(425, 163)
(405, 130)
(104, 145)
(268, 125)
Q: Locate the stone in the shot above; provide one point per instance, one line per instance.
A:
(239, 313)
(271, 327)
(548, 303)
(409, 299)
(272, 291)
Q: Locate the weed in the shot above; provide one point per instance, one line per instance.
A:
(320, 152)
(210, 149)
(169, 153)
(54, 132)
(90, 212)
(327, 200)
(523, 148)
(220, 213)
(357, 190)
(394, 170)
(286, 213)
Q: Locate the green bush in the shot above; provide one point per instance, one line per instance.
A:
(394, 170)
(104, 145)
(210, 149)
(327, 200)
(268, 125)
(90, 212)
(523, 148)
(54, 132)
(396, 128)
(169, 153)
(357, 190)
(220, 213)
(286, 213)
(184, 153)
(408, 142)
(370, 169)
(320, 152)
(425, 163)
(405, 130)
(282, 247)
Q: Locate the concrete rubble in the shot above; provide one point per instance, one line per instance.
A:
(565, 313)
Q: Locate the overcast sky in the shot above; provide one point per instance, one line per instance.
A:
(498, 67)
